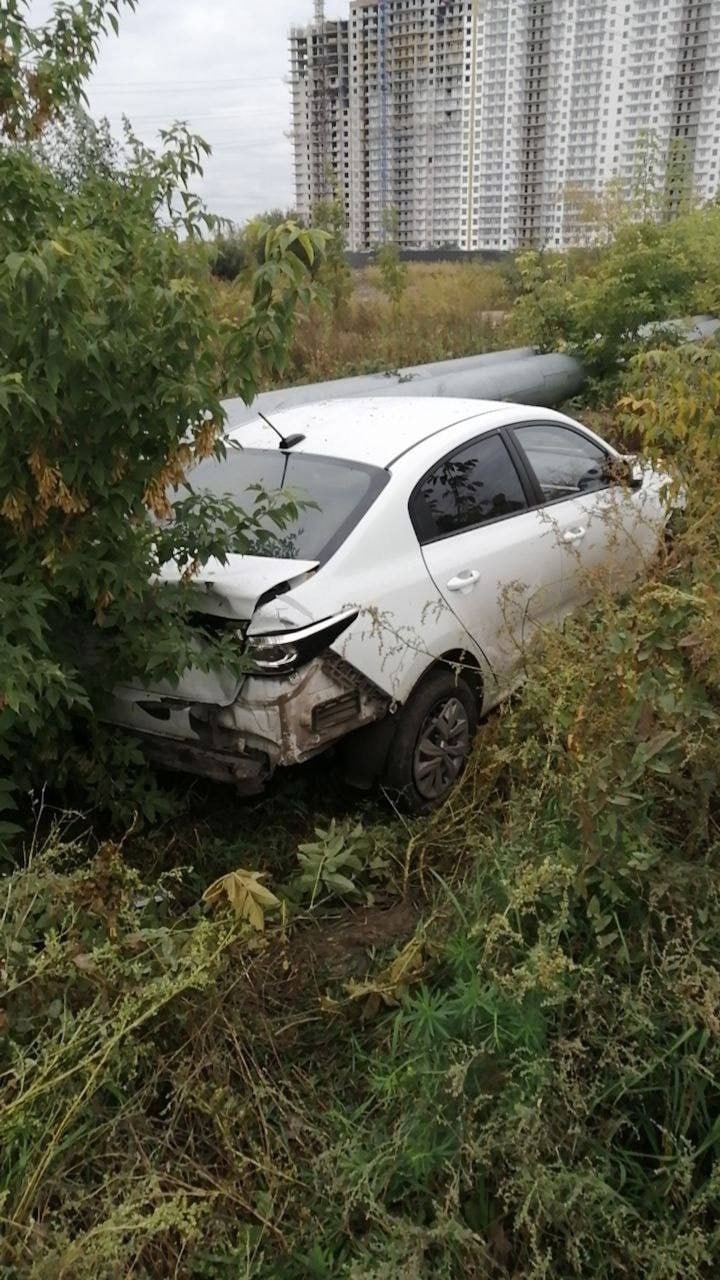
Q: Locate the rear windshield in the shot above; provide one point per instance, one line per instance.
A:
(337, 493)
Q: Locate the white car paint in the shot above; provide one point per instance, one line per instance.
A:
(482, 591)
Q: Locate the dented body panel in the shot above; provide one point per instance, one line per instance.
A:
(271, 723)
(230, 592)
(234, 589)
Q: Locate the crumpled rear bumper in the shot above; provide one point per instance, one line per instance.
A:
(248, 772)
(273, 722)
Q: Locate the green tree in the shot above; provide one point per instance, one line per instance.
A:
(334, 275)
(76, 148)
(393, 271)
(230, 256)
(112, 369)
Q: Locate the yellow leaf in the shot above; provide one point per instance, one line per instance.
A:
(248, 898)
(388, 987)
(407, 964)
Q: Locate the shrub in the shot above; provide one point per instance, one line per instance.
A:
(650, 273)
(230, 255)
(112, 368)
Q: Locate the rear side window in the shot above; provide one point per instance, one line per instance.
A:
(565, 462)
(472, 487)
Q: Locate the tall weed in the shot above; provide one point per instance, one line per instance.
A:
(446, 311)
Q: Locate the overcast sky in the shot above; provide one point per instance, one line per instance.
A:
(221, 65)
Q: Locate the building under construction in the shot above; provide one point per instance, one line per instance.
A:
(485, 124)
(319, 69)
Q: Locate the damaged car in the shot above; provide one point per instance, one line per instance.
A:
(433, 540)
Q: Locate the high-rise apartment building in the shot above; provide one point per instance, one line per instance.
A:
(482, 123)
(567, 95)
(319, 77)
(407, 71)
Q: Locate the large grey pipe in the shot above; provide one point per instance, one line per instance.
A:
(519, 375)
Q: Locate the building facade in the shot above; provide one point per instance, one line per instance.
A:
(319, 79)
(406, 103)
(489, 124)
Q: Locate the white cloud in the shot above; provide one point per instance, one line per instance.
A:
(220, 65)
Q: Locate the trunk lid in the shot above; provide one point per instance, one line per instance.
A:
(234, 589)
(230, 591)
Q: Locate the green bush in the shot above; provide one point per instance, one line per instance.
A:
(113, 364)
(598, 309)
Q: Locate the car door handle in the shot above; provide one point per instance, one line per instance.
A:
(574, 535)
(464, 581)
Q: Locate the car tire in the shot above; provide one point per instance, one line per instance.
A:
(432, 742)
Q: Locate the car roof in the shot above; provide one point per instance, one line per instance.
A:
(375, 430)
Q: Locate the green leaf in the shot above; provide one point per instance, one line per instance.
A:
(14, 263)
(339, 883)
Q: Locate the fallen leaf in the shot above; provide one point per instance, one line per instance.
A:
(407, 964)
(248, 898)
(690, 641)
(387, 989)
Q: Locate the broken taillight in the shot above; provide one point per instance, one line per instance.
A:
(286, 651)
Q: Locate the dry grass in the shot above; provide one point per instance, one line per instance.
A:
(448, 310)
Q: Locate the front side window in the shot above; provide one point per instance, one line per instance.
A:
(477, 484)
(565, 462)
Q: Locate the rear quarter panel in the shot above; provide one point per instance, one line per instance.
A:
(403, 624)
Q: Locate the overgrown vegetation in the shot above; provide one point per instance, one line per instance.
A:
(113, 363)
(392, 270)
(521, 1081)
(596, 303)
(447, 310)
(299, 1037)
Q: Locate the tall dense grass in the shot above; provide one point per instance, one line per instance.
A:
(448, 310)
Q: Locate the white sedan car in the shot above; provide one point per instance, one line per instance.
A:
(436, 537)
